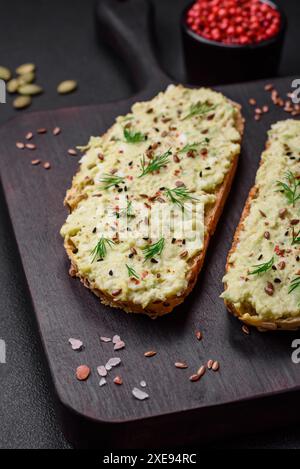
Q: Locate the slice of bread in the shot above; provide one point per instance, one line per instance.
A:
(198, 131)
(261, 286)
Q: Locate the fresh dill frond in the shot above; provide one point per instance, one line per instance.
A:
(193, 146)
(290, 188)
(133, 137)
(110, 180)
(199, 109)
(154, 250)
(155, 164)
(179, 195)
(264, 267)
(132, 272)
(295, 283)
(296, 237)
(128, 211)
(100, 250)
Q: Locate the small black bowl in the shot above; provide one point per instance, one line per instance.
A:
(210, 62)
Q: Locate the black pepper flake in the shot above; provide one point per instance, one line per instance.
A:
(111, 273)
(154, 261)
(274, 267)
(260, 257)
(173, 240)
(207, 168)
(130, 163)
(277, 280)
(297, 258)
(94, 230)
(120, 190)
(200, 174)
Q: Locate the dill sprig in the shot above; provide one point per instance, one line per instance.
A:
(179, 195)
(264, 267)
(154, 165)
(296, 237)
(132, 272)
(110, 180)
(128, 211)
(199, 109)
(193, 146)
(100, 250)
(295, 283)
(154, 250)
(290, 187)
(133, 137)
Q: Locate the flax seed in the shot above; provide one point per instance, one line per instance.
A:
(201, 371)
(194, 377)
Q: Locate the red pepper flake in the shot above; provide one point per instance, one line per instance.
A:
(118, 380)
(278, 251)
(83, 372)
(234, 21)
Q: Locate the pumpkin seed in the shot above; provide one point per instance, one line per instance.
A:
(12, 85)
(25, 68)
(67, 86)
(26, 78)
(30, 89)
(5, 73)
(21, 102)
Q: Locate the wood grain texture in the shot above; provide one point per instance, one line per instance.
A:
(250, 366)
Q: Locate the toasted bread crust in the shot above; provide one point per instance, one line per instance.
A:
(159, 308)
(250, 317)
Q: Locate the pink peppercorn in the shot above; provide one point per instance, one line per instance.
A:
(234, 21)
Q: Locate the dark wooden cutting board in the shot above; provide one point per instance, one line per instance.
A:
(257, 383)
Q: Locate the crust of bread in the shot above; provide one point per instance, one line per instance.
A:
(249, 316)
(159, 308)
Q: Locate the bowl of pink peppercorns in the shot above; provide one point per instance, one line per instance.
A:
(227, 41)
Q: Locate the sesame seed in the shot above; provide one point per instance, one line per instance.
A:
(150, 353)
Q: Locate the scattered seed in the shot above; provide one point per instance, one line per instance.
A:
(21, 102)
(25, 68)
(245, 329)
(150, 353)
(42, 130)
(258, 111)
(115, 361)
(281, 265)
(119, 345)
(210, 364)
(265, 109)
(46, 165)
(29, 136)
(116, 338)
(25, 79)
(56, 131)
(66, 86)
(257, 117)
(215, 366)
(72, 152)
(83, 372)
(105, 339)
(143, 384)
(269, 87)
(20, 145)
(102, 371)
(5, 73)
(116, 292)
(118, 380)
(194, 377)
(198, 335)
(140, 395)
(201, 370)
(12, 85)
(102, 382)
(181, 365)
(252, 101)
(183, 254)
(76, 344)
(35, 162)
(282, 213)
(267, 235)
(30, 146)
(30, 89)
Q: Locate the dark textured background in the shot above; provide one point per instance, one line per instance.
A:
(59, 36)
